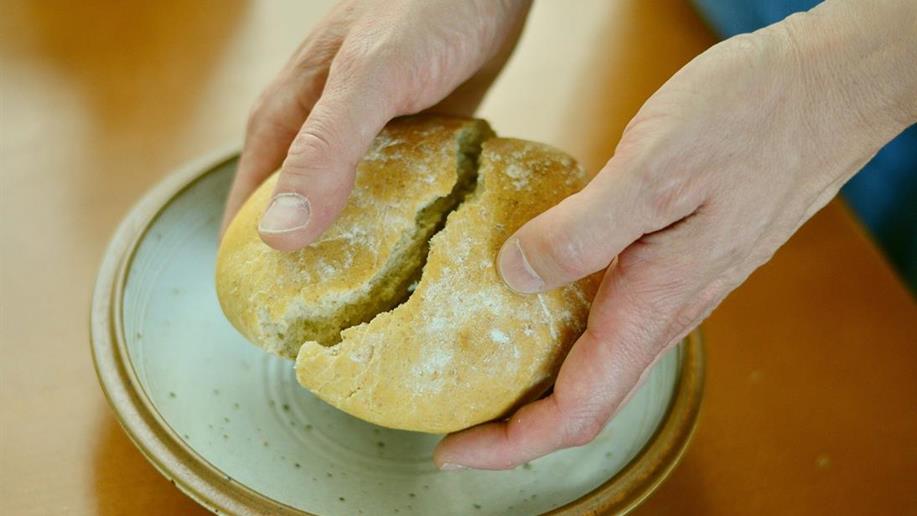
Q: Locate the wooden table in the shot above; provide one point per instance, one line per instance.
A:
(810, 403)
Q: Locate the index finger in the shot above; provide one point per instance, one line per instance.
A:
(571, 416)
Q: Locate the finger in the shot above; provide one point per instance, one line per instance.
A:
(583, 233)
(647, 302)
(318, 173)
(278, 115)
(565, 418)
(272, 126)
(585, 394)
(465, 99)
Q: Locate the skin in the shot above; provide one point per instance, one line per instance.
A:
(714, 173)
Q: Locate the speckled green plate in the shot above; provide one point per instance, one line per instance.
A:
(229, 425)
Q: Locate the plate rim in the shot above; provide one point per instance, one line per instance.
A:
(212, 488)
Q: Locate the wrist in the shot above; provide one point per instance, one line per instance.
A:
(863, 53)
(849, 65)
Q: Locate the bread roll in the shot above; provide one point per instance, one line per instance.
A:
(459, 349)
(415, 173)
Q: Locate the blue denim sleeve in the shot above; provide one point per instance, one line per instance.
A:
(884, 193)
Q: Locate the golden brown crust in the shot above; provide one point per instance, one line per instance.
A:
(464, 348)
(268, 294)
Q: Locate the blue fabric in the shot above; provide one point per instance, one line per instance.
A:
(884, 193)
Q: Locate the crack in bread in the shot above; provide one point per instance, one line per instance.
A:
(464, 348)
(417, 171)
(397, 315)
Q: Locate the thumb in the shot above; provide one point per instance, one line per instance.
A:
(318, 173)
(584, 233)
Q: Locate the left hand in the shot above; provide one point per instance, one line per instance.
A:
(366, 62)
(716, 171)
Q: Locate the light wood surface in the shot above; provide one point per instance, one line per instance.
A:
(810, 399)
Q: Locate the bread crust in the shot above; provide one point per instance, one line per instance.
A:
(464, 349)
(278, 300)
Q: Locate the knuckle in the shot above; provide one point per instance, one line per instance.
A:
(664, 199)
(581, 431)
(687, 318)
(310, 143)
(569, 257)
(563, 253)
(667, 191)
(295, 173)
(664, 189)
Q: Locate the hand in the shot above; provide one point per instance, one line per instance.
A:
(715, 172)
(366, 63)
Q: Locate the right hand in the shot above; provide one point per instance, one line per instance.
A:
(367, 62)
(714, 173)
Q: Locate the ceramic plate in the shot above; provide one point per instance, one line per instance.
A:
(231, 427)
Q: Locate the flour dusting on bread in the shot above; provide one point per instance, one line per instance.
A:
(414, 174)
(463, 339)
(396, 314)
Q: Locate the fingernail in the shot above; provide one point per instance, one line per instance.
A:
(287, 212)
(448, 466)
(516, 271)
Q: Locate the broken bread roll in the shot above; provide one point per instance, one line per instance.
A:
(397, 314)
(413, 176)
